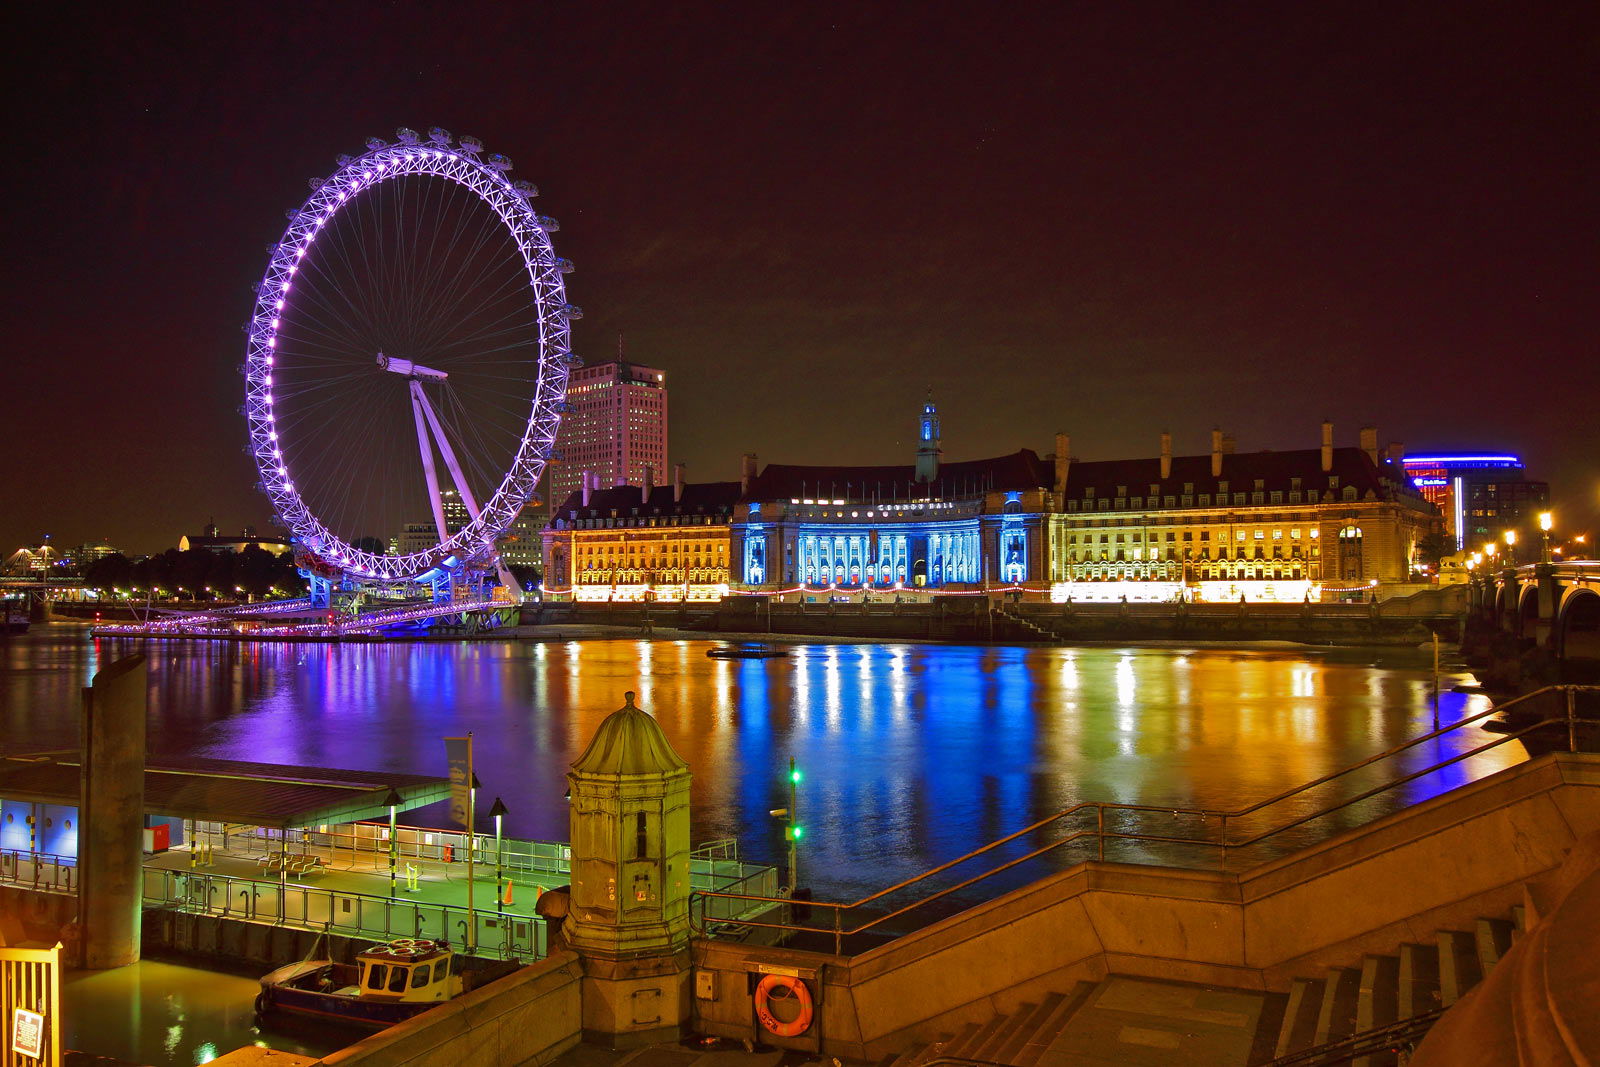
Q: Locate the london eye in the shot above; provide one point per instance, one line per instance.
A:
(407, 362)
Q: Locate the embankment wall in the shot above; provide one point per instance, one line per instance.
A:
(1442, 863)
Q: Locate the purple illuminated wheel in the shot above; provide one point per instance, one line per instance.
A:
(408, 359)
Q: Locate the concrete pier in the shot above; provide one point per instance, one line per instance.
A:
(111, 831)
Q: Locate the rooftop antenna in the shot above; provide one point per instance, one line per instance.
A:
(621, 348)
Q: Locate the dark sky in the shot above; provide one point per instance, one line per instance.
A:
(1107, 219)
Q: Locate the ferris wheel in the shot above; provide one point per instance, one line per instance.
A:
(407, 360)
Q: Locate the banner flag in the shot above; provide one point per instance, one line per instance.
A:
(458, 752)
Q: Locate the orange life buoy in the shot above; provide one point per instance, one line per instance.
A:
(796, 989)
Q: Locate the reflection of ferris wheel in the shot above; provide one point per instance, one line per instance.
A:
(412, 326)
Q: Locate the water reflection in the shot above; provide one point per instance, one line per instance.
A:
(164, 1013)
(913, 754)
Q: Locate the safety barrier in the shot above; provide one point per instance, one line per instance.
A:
(1214, 831)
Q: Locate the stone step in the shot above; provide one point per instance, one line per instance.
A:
(1000, 1035)
(969, 1048)
(1025, 1024)
(1458, 965)
(1494, 940)
(1419, 979)
(918, 1054)
(1299, 1028)
(1519, 916)
(1377, 1003)
(1050, 1026)
(962, 1037)
(1337, 1019)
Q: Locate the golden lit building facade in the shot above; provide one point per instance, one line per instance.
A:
(640, 543)
(1261, 526)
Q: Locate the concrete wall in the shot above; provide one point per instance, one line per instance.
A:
(1443, 862)
(530, 1017)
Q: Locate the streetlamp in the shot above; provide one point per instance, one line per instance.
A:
(1546, 520)
(1489, 548)
(394, 800)
(1511, 548)
(498, 812)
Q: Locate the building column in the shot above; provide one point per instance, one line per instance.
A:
(111, 821)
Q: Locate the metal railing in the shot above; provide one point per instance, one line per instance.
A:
(43, 871)
(712, 865)
(339, 911)
(740, 906)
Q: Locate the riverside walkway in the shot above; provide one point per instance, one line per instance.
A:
(338, 882)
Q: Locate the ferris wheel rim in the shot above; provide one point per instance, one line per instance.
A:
(529, 232)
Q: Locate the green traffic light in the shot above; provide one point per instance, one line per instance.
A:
(798, 831)
(794, 776)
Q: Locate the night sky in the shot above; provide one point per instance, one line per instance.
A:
(1110, 220)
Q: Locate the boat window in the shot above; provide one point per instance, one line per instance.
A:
(375, 975)
(441, 970)
(397, 979)
(419, 976)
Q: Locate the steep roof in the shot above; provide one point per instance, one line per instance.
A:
(1022, 469)
(1241, 470)
(699, 498)
(629, 741)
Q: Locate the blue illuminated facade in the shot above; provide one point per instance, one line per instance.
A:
(929, 526)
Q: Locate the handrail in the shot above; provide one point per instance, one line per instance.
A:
(1100, 832)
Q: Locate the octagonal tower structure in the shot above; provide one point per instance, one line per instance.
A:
(629, 917)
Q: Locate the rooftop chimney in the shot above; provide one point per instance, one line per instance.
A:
(1216, 453)
(1227, 444)
(677, 483)
(1397, 452)
(1369, 442)
(747, 472)
(1063, 464)
(1166, 456)
(1327, 446)
(587, 483)
(649, 484)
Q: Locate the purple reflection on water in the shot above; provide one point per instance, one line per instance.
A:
(912, 754)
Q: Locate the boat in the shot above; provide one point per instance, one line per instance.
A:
(387, 984)
(747, 650)
(13, 622)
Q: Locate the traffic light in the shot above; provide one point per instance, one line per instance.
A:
(794, 775)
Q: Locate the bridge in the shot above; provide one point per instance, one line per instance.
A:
(1556, 606)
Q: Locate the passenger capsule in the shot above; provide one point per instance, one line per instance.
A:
(375, 143)
(315, 183)
(405, 135)
(564, 266)
(570, 311)
(548, 224)
(470, 143)
(499, 162)
(439, 135)
(525, 189)
(344, 160)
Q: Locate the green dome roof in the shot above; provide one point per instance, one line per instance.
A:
(629, 741)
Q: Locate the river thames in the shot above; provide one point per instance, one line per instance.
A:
(911, 754)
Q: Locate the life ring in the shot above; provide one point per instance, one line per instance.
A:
(262, 1003)
(796, 989)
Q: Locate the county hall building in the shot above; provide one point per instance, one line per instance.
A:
(1218, 526)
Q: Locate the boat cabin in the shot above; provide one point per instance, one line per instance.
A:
(408, 969)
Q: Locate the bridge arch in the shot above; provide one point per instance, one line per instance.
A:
(1577, 628)
(1526, 623)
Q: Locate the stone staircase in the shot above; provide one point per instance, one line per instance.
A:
(1390, 1000)
(1360, 1015)
(1032, 630)
(1018, 1039)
